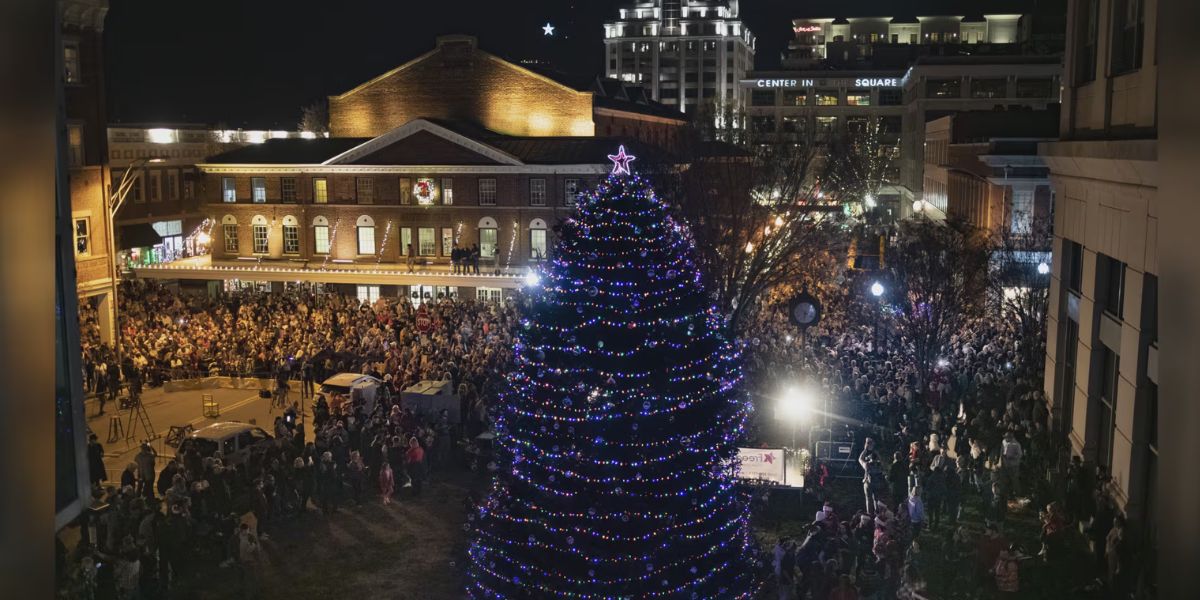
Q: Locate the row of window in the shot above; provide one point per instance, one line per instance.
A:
(995, 87)
(887, 97)
(425, 191)
(156, 185)
(426, 242)
(172, 153)
(1127, 37)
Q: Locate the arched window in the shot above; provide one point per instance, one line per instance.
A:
(229, 231)
(320, 235)
(366, 234)
(291, 235)
(537, 239)
(488, 235)
(258, 226)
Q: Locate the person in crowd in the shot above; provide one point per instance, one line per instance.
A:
(414, 464)
(96, 469)
(1007, 572)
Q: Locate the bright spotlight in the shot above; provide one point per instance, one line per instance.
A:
(532, 279)
(877, 289)
(795, 403)
(869, 201)
(943, 363)
(1043, 268)
(203, 238)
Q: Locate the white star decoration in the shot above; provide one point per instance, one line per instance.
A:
(548, 29)
(621, 161)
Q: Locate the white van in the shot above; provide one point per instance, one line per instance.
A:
(234, 440)
(343, 387)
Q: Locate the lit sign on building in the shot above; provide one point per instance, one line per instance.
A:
(877, 82)
(807, 28)
(783, 83)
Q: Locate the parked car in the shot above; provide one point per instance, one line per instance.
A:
(234, 440)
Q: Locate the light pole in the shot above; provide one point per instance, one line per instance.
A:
(113, 205)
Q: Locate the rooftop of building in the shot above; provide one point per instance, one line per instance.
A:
(539, 150)
(908, 10)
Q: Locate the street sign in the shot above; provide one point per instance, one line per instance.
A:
(424, 322)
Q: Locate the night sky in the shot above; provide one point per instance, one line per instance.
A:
(255, 63)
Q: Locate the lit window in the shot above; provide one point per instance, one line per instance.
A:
(447, 240)
(826, 126)
(365, 190)
(487, 294)
(426, 245)
(228, 190)
(858, 98)
(291, 239)
(827, 98)
(537, 192)
(320, 190)
(260, 239)
(71, 62)
(367, 293)
(321, 239)
(75, 145)
(405, 240)
(230, 233)
(83, 236)
(487, 242)
(487, 192)
(537, 244)
(287, 189)
(447, 191)
(258, 189)
(366, 239)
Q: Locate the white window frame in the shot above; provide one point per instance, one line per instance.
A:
(533, 235)
(287, 189)
(321, 239)
(447, 191)
(537, 191)
(291, 239)
(364, 190)
(261, 233)
(488, 294)
(447, 241)
(570, 191)
(258, 193)
(72, 63)
(487, 191)
(320, 190)
(228, 189)
(231, 241)
(370, 293)
(486, 251)
(86, 236)
(405, 240)
(426, 246)
(155, 190)
(365, 233)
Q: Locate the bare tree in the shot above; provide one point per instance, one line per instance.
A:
(750, 199)
(939, 279)
(1019, 285)
(315, 118)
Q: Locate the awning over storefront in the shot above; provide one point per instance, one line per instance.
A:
(137, 235)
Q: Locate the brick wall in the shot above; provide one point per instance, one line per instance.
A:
(459, 81)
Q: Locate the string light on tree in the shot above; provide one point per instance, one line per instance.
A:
(387, 233)
(616, 429)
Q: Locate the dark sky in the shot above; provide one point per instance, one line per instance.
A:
(257, 62)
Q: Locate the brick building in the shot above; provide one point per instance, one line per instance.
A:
(88, 176)
(457, 81)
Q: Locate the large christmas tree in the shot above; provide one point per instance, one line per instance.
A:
(618, 425)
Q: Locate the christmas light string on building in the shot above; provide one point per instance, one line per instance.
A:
(617, 429)
(512, 243)
(387, 233)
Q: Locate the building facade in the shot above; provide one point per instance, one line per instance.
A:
(162, 216)
(385, 214)
(89, 178)
(1102, 331)
(937, 86)
(983, 168)
(686, 53)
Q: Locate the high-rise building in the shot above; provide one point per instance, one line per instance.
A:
(1102, 328)
(686, 53)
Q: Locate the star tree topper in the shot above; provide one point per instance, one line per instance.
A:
(621, 161)
(547, 29)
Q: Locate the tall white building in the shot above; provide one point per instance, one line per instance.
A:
(687, 53)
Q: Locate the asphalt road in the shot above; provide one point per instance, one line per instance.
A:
(166, 409)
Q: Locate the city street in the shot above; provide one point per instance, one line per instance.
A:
(167, 409)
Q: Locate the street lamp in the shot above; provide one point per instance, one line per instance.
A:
(114, 205)
(1043, 268)
(877, 289)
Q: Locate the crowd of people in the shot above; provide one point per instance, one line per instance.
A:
(974, 438)
(160, 528)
